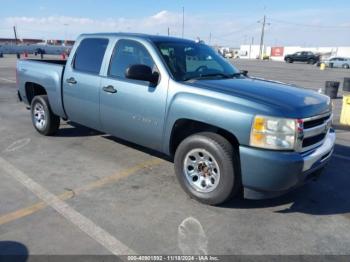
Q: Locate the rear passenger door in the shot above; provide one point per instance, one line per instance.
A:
(81, 82)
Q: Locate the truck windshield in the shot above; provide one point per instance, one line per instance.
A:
(191, 60)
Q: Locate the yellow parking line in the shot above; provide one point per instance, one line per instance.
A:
(71, 193)
(30, 210)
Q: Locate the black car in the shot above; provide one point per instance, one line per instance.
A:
(304, 56)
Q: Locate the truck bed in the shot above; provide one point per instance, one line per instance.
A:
(46, 73)
(50, 61)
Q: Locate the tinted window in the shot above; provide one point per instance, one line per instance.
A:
(127, 53)
(187, 60)
(89, 55)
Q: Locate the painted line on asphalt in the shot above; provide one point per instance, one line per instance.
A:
(27, 211)
(342, 157)
(112, 244)
(88, 187)
(7, 80)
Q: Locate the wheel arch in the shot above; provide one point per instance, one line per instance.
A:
(184, 127)
(33, 89)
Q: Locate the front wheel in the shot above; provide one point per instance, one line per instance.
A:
(346, 66)
(206, 165)
(44, 120)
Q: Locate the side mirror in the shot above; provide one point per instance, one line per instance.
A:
(142, 72)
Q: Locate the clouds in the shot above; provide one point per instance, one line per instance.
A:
(70, 27)
(57, 26)
(225, 29)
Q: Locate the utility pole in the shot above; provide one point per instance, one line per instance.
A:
(183, 21)
(250, 47)
(15, 32)
(262, 38)
(209, 38)
(168, 31)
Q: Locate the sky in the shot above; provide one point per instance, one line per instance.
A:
(219, 22)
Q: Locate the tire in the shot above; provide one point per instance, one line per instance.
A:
(44, 121)
(346, 66)
(288, 60)
(311, 61)
(224, 158)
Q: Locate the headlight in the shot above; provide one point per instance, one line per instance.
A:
(273, 133)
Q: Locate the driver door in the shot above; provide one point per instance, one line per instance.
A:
(133, 110)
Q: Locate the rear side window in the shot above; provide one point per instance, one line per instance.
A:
(89, 55)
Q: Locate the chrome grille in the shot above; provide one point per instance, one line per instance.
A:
(314, 132)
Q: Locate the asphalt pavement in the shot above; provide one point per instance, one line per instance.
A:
(84, 192)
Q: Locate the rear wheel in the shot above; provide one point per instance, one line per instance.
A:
(346, 66)
(206, 165)
(44, 120)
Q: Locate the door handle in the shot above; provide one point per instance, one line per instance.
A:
(71, 80)
(109, 89)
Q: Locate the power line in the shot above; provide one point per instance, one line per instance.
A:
(227, 34)
(309, 25)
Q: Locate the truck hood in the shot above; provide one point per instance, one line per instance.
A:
(283, 99)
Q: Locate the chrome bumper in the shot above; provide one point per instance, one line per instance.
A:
(322, 153)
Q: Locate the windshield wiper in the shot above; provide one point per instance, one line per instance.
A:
(226, 76)
(207, 75)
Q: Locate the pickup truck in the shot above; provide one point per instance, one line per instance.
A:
(228, 134)
(304, 56)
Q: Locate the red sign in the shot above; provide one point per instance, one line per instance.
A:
(277, 51)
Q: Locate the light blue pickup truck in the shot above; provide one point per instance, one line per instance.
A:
(228, 133)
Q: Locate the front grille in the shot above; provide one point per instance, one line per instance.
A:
(315, 130)
(313, 140)
(315, 122)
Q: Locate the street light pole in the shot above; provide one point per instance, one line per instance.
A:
(183, 21)
(250, 47)
(65, 33)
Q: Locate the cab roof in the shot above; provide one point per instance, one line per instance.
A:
(152, 38)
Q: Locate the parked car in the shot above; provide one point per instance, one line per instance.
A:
(228, 55)
(339, 62)
(227, 132)
(304, 56)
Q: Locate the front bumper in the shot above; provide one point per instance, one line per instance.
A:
(267, 174)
